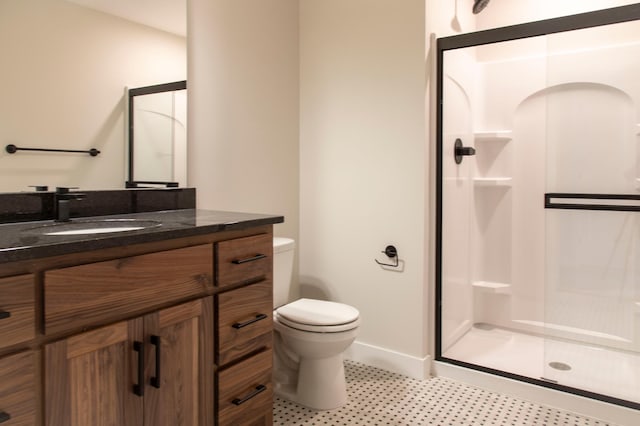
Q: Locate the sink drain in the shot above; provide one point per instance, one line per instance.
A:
(560, 366)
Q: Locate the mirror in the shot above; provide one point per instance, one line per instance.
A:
(67, 64)
(158, 135)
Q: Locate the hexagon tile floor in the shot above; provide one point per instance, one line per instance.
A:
(378, 397)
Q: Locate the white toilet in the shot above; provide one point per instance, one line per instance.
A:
(310, 337)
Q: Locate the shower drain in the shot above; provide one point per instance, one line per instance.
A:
(559, 366)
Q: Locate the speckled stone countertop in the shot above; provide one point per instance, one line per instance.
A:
(27, 240)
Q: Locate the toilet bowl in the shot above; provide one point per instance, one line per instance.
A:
(310, 337)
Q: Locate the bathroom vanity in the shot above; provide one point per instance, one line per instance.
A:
(170, 324)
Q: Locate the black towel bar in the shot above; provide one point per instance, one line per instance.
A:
(12, 149)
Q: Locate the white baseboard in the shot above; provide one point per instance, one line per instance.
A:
(538, 394)
(396, 362)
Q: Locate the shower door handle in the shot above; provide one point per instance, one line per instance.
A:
(460, 151)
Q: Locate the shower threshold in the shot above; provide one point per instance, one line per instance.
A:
(592, 368)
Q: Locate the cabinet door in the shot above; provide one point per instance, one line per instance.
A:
(90, 377)
(180, 365)
(18, 389)
(17, 310)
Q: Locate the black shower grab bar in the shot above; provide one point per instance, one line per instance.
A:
(550, 204)
(12, 149)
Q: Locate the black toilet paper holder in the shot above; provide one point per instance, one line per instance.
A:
(391, 253)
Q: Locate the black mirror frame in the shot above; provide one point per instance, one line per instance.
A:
(139, 91)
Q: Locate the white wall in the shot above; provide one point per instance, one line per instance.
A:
(65, 69)
(362, 162)
(243, 107)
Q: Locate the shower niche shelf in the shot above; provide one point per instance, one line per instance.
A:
(492, 287)
(498, 181)
(496, 135)
(491, 149)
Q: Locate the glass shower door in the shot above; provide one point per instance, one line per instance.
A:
(592, 211)
(538, 220)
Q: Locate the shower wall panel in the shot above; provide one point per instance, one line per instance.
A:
(573, 120)
(457, 183)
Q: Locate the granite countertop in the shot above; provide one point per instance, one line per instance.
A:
(27, 240)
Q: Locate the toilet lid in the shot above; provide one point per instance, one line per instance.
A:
(318, 312)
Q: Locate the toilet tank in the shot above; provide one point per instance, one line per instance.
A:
(283, 249)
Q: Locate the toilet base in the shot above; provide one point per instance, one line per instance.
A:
(321, 384)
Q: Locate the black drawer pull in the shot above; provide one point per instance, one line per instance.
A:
(138, 388)
(258, 317)
(256, 391)
(248, 259)
(4, 314)
(155, 381)
(4, 417)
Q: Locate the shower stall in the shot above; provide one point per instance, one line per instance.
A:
(538, 203)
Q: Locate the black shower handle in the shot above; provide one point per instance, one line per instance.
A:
(460, 151)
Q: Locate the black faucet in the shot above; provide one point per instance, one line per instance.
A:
(62, 199)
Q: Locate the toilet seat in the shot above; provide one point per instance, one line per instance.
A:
(318, 316)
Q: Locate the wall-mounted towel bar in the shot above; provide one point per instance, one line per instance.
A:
(12, 149)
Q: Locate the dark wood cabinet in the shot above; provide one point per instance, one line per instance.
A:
(17, 310)
(244, 331)
(85, 295)
(175, 332)
(179, 371)
(88, 377)
(150, 370)
(18, 401)
(245, 393)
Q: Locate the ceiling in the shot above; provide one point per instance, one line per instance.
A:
(166, 15)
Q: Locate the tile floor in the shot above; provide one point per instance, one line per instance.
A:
(378, 397)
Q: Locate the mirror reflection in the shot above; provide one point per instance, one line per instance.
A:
(68, 64)
(158, 135)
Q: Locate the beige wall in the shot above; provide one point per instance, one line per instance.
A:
(362, 157)
(65, 69)
(243, 107)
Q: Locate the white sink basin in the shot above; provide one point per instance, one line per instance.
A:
(89, 227)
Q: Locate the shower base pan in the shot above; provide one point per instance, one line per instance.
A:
(592, 368)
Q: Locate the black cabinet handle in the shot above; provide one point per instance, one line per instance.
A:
(4, 417)
(257, 318)
(4, 314)
(155, 381)
(256, 391)
(138, 388)
(248, 259)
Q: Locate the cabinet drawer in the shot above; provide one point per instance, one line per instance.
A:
(17, 310)
(17, 389)
(245, 391)
(97, 292)
(244, 320)
(243, 260)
